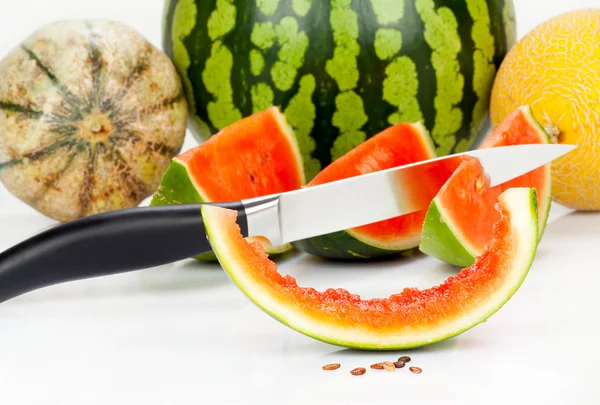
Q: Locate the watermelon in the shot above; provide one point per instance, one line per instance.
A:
(256, 156)
(341, 70)
(398, 145)
(408, 319)
(91, 114)
(460, 219)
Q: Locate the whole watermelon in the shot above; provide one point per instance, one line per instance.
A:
(341, 70)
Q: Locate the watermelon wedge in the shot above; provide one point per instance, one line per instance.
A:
(408, 319)
(461, 217)
(399, 144)
(253, 157)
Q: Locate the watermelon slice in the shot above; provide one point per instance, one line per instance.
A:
(398, 145)
(460, 219)
(253, 157)
(408, 319)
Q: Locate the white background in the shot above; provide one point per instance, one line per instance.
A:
(183, 334)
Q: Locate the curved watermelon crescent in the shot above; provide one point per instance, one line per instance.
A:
(409, 319)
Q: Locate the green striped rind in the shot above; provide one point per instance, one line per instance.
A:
(442, 37)
(483, 62)
(342, 246)
(439, 239)
(521, 204)
(341, 70)
(177, 187)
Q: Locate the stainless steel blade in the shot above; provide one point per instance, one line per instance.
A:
(504, 163)
(374, 197)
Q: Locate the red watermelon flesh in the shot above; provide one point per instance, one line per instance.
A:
(253, 157)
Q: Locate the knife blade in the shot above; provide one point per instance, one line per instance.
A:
(139, 238)
(385, 194)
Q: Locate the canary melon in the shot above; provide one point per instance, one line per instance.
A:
(555, 68)
(408, 319)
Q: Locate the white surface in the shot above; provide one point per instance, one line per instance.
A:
(183, 334)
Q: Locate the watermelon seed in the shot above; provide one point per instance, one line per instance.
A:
(377, 366)
(399, 364)
(479, 185)
(358, 371)
(333, 366)
(389, 366)
(556, 136)
(404, 359)
(415, 370)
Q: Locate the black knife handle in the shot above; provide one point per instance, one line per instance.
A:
(108, 243)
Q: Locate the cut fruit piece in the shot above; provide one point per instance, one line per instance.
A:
(253, 157)
(460, 218)
(398, 145)
(408, 319)
(521, 128)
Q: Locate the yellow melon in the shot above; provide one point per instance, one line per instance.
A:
(555, 68)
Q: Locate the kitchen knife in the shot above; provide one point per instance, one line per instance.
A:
(137, 238)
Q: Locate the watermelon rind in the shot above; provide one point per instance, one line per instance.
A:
(343, 245)
(439, 239)
(518, 233)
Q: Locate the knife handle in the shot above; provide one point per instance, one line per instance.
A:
(107, 243)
